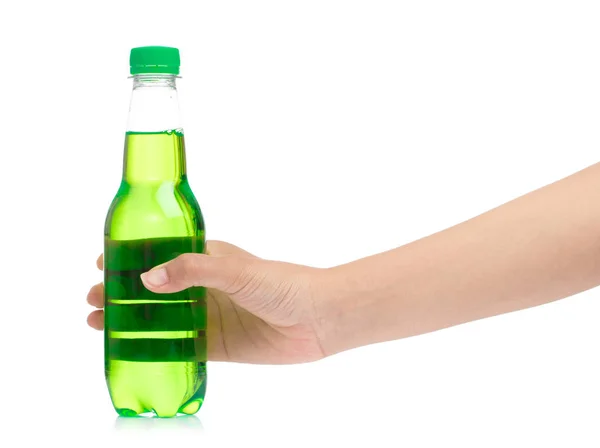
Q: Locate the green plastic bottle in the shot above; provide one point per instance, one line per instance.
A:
(155, 344)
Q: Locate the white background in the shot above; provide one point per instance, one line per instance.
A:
(318, 132)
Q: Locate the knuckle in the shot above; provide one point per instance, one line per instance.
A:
(189, 265)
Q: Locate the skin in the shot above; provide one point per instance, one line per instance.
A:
(541, 247)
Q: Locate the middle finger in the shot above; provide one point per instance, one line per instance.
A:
(96, 295)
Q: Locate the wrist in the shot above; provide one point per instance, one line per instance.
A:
(368, 301)
(337, 311)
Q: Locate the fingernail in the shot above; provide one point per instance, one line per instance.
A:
(155, 277)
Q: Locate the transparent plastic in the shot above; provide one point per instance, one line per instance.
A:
(155, 344)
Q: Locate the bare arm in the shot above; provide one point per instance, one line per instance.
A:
(536, 249)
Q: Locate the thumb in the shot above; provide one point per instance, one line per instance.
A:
(229, 273)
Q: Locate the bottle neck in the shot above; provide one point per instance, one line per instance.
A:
(154, 144)
(154, 105)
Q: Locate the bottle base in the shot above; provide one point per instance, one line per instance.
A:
(190, 408)
(163, 390)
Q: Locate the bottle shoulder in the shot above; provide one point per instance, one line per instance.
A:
(154, 211)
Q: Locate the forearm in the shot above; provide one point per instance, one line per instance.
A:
(538, 248)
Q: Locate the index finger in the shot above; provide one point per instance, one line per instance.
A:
(100, 261)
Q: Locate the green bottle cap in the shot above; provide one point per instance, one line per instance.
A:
(154, 60)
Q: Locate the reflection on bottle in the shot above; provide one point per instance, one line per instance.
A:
(144, 424)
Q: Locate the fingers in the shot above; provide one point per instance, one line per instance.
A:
(228, 268)
(96, 298)
(225, 273)
(96, 295)
(96, 319)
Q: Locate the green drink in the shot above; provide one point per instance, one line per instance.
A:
(155, 344)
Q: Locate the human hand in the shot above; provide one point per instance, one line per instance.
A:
(259, 311)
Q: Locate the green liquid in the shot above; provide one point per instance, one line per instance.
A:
(155, 344)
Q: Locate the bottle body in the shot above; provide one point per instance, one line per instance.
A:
(155, 344)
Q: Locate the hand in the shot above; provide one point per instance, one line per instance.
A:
(259, 311)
